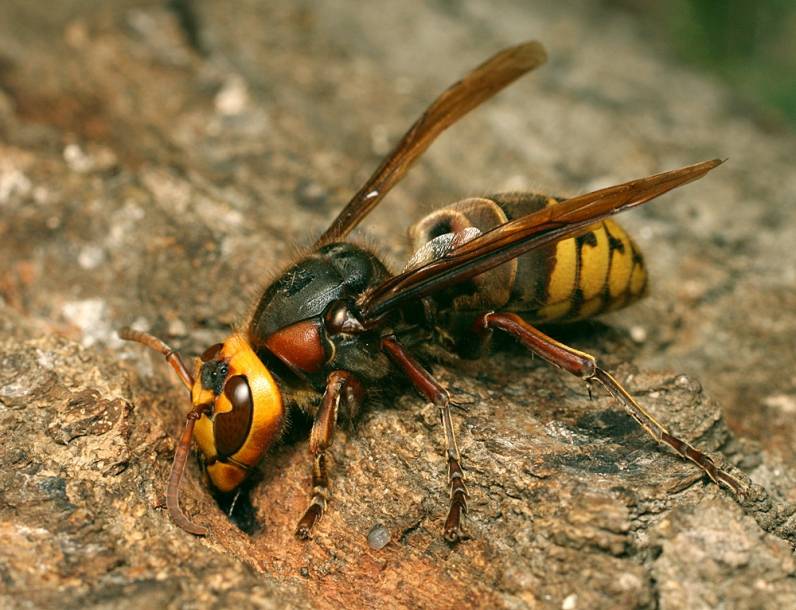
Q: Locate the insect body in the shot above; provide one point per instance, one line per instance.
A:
(337, 321)
(572, 279)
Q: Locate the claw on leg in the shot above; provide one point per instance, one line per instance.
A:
(585, 366)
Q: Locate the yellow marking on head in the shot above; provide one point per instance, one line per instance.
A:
(621, 262)
(226, 477)
(203, 430)
(266, 417)
(593, 263)
(204, 436)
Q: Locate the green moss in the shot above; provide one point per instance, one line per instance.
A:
(751, 45)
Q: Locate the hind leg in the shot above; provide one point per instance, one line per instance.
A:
(585, 366)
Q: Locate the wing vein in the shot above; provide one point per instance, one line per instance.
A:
(566, 219)
(463, 96)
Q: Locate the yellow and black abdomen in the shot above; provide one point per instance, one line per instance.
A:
(573, 279)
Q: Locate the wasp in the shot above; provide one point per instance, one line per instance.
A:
(337, 322)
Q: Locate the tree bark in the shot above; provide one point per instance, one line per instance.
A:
(159, 162)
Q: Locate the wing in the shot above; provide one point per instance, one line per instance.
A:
(512, 239)
(478, 86)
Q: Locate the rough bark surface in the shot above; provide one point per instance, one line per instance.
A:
(160, 161)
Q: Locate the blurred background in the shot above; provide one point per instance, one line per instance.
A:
(160, 160)
(751, 46)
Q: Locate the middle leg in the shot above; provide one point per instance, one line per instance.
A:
(429, 387)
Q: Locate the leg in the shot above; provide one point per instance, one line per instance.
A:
(430, 388)
(339, 385)
(584, 366)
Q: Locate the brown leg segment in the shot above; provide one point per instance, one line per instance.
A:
(585, 366)
(339, 385)
(434, 392)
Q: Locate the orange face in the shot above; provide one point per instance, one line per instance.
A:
(246, 413)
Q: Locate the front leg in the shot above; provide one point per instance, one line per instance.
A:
(340, 385)
(429, 387)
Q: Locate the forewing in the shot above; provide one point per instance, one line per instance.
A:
(478, 86)
(512, 239)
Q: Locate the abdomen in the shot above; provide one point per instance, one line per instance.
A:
(570, 280)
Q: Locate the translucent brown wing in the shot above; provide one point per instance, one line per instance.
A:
(512, 239)
(478, 86)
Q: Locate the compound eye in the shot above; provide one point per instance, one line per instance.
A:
(211, 352)
(232, 428)
(238, 393)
